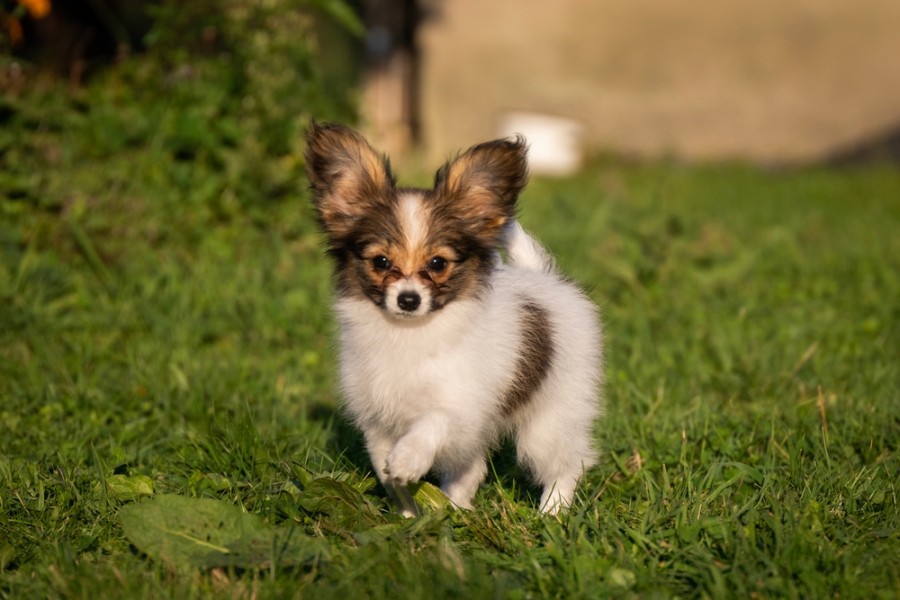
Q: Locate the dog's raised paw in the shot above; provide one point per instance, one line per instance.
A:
(404, 465)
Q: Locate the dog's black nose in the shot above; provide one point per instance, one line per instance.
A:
(409, 301)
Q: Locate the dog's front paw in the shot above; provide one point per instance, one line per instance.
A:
(405, 465)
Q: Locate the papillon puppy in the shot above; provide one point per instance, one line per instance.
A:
(444, 347)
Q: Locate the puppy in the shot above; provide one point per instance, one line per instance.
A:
(444, 348)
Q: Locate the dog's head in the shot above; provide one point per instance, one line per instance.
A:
(412, 251)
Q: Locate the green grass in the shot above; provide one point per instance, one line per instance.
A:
(165, 315)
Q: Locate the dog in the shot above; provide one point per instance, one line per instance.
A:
(445, 348)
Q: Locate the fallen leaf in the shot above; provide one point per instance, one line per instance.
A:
(188, 532)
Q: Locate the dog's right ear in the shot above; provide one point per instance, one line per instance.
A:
(347, 177)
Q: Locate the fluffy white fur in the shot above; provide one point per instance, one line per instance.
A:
(443, 351)
(427, 392)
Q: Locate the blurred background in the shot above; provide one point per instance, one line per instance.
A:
(764, 80)
(784, 82)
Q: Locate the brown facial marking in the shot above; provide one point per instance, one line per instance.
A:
(535, 354)
(357, 203)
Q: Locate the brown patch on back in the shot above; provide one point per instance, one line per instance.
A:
(535, 354)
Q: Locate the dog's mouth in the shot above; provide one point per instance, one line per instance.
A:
(407, 315)
(407, 319)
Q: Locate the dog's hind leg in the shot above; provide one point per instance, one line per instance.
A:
(557, 447)
(558, 494)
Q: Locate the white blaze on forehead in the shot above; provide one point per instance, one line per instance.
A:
(413, 219)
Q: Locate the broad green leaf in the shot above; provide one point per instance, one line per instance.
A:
(129, 487)
(429, 496)
(125, 487)
(201, 532)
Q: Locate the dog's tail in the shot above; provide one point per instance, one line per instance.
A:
(524, 251)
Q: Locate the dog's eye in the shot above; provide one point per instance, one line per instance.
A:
(381, 263)
(437, 264)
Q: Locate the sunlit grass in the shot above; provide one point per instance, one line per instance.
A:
(156, 324)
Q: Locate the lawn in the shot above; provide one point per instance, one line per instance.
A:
(167, 368)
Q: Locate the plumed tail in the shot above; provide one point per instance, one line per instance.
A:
(524, 251)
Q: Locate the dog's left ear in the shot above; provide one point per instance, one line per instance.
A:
(483, 183)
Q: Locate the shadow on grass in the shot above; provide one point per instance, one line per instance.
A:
(345, 440)
(505, 470)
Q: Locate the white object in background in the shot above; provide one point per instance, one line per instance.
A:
(554, 143)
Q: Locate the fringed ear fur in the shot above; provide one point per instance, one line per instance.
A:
(347, 176)
(482, 185)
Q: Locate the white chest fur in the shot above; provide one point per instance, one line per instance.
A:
(394, 372)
